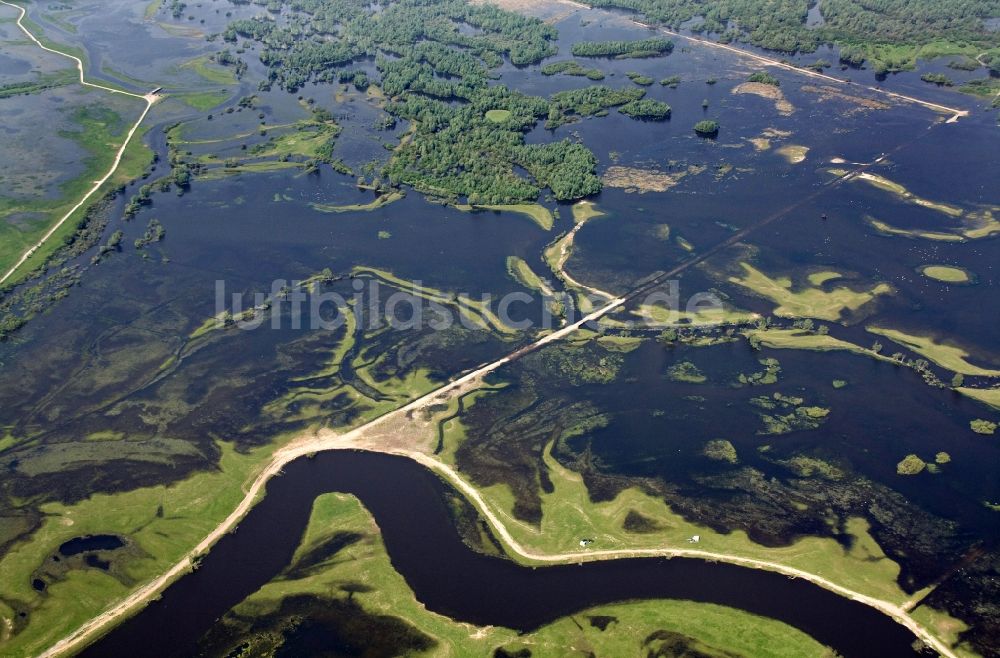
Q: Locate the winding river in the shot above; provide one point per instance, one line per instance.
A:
(408, 503)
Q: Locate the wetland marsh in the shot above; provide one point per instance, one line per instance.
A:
(849, 243)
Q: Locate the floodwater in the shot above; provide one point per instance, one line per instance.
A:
(450, 579)
(95, 361)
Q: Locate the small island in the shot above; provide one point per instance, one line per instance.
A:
(647, 109)
(947, 274)
(623, 49)
(707, 128)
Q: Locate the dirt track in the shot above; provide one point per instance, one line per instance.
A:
(149, 98)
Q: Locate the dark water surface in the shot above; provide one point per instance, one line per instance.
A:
(446, 576)
(91, 543)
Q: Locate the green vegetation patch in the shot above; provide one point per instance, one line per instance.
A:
(341, 575)
(939, 79)
(901, 192)
(975, 225)
(536, 212)
(623, 49)
(764, 78)
(980, 426)
(571, 67)
(207, 68)
(521, 272)
(640, 79)
(890, 35)
(97, 126)
(947, 273)
(808, 301)
(567, 106)
(43, 82)
(203, 100)
(687, 372)
(799, 417)
(720, 450)
(943, 353)
(988, 396)
(707, 128)
(763, 378)
(983, 87)
(498, 116)
(646, 109)
(911, 465)
(379, 201)
(164, 523)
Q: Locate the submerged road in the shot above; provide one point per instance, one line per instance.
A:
(955, 113)
(149, 99)
(325, 440)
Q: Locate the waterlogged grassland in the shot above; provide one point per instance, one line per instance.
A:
(797, 339)
(988, 396)
(210, 71)
(558, 253)
(584, 211)
(947, 273)
(354, 380)
(203, 100)
(887, 229)
(163, 522)
(975, 226)
(946, 355)
(358, 570)
(793, 153)
(536, 212)
(357, 377)
(966, 223)
(706, 317)
(894, 188)
(380, 201)
(475, 311)
(808, 301)
(569, 515)
(98, 131)
(521, 272)
(38, 186)
(300, 144)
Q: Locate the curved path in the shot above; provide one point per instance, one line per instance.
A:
(328, 440)
(149, 98)
(394, 423)
(354, 439)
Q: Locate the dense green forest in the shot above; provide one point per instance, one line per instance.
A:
(568, 106)
(439, 77)
(890, 33)
(623, 49)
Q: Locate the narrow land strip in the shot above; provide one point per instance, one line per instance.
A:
(328, 440)
(325, 440)
(149, 98)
